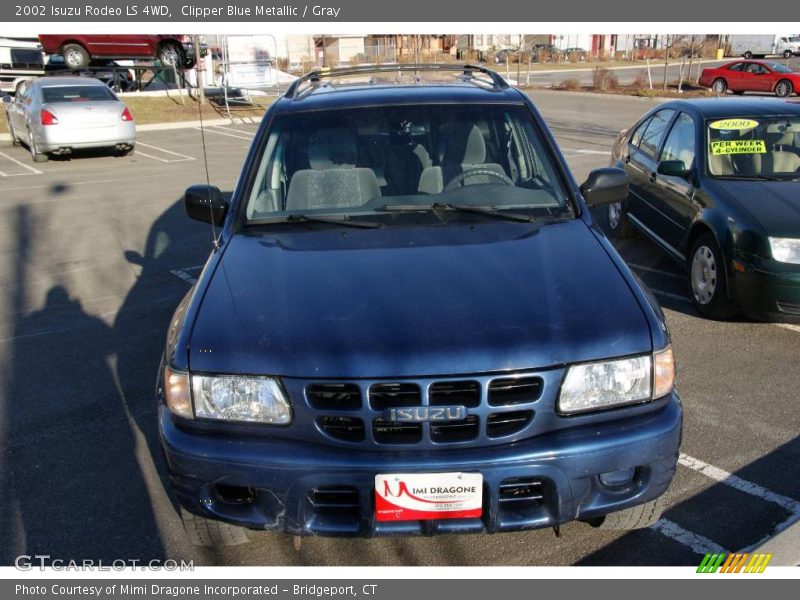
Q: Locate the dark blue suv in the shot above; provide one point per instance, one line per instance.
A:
(411, 324)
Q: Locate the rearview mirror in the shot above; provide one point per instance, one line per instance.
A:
(605, 186)
(205, 203)
(673, 168)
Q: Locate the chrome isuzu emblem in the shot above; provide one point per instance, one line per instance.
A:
(418, 414)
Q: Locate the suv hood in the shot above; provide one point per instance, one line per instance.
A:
(415, 301)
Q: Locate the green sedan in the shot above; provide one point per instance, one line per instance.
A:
(716, 184)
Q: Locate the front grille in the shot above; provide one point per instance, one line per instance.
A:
(789, 308)
(334, 396)
(507, 423)
(458, 431)
(491, 410)
(346, 429)
(452, 393)
(514, 390)
(387, 432)
(394, 395)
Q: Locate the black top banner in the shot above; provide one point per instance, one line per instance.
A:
(460, 11)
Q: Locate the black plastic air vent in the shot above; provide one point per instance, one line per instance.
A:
(394, 395)
(514, 390)
(455, 393)
(334, 396)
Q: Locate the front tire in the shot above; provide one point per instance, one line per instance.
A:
(207, 532)
(75, 56)
(618, 222)
(719, 86)
(787, 54)
(636, 517)
(708, 279)
(783, 88)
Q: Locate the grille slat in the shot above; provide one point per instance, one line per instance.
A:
(334, 499)
(507, 423)
(348, 429)
(394, 395)
(386, 432)
(516, 390)
(521, 490)
(334, 396)
(449, 393)
(459, 431)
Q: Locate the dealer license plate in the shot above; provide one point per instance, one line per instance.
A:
(416, 496)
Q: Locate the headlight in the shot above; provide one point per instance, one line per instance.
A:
(237, 398)
(785, 250)
(227, 398)
(608, 384)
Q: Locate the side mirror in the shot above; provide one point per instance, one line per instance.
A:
(672, 168)
(6, 99)
(205, 203)
(605, 186)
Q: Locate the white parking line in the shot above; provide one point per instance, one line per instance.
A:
(165, 151)
(21, 164)
(698, 543)
(748, 487)
(789, 326)
(210, 130)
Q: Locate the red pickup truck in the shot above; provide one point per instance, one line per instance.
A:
(79, 50)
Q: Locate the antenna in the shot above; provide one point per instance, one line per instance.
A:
(214, 238)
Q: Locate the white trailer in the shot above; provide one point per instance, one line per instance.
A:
(749, 46)
(20, 59)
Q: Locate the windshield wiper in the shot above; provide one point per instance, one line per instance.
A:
(343, 220)
(757, 177)
(488, 211)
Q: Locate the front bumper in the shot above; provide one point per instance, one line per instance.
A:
(278, 484)
(768, 289)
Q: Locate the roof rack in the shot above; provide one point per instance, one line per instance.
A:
(467, 73)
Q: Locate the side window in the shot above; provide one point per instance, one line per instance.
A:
(651, 139)
(680, 144)
(637, 135)
(736, 67)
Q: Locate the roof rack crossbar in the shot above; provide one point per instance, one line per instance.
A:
(467, 70)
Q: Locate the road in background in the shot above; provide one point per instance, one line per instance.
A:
(95, 253)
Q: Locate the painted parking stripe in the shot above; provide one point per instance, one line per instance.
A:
(165, 151)
(31, 170)
(234, 131)
(698, 543)
(225, 133)
(789, 326)
(748, 487)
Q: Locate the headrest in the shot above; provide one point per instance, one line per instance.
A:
(463, 143)
(332, 148)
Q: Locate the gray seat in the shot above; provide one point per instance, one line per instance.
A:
(463, 149)
(333, 181)
(782, 152)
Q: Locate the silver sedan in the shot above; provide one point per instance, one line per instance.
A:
(56, 115)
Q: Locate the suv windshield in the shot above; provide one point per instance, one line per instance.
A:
(754, 147)
(370, 160)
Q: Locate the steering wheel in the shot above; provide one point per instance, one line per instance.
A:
(459, 179)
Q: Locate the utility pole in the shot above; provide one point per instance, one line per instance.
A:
(201, 94)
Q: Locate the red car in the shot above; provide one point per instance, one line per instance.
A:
(79, 50)
(752, 76)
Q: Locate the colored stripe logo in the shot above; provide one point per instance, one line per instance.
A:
(743, 562)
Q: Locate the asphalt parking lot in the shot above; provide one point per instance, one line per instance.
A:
(96, 252)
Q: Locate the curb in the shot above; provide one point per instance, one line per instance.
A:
(784, 546)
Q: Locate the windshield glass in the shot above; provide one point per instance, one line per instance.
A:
(77, 93)
(364, 160)
(754, 147)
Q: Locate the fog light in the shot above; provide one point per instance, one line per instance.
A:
(617, 478)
